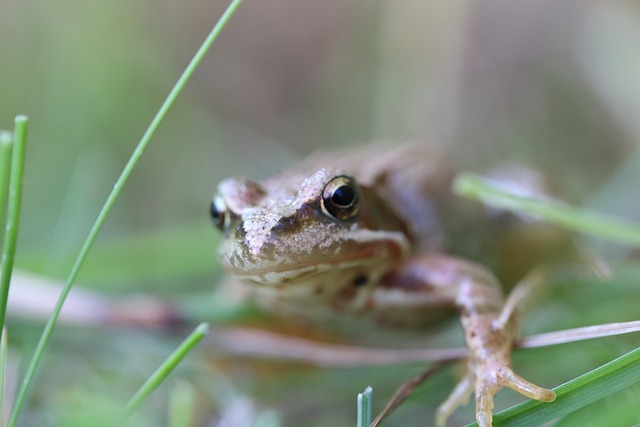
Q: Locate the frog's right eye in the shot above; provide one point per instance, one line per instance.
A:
(340, 198)
(219, 213)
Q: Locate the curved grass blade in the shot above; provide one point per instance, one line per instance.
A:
(578, 219)
(165, 369)
(13, 211)
(575, 394)
(111, 199)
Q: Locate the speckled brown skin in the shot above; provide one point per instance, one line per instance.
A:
(490, 327)
(391, 253)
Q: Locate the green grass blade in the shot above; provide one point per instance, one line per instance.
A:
(364, 407)
(6, 146)
(593, 223)
(602, 381)
(182, 405)
(111, 199)
(575, 394)
(13, 211)
(165, 369)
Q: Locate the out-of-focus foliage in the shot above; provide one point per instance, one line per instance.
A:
(555, 84)
(550, 83)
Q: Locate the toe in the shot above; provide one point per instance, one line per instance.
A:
(510, 379)
(458, 397)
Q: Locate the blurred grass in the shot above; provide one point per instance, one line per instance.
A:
(168, 366)
(6, 147)
(125, 261)
(551, 211)
(12, 205)
(550, 84)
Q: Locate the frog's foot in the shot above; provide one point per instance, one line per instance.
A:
(486, 377)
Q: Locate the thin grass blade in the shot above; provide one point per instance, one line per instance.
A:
(579, 334)
(13, 211)
(578, 219)
(182, 405)
(6, 146)
(364, 407)
(111, 199)
(165, 369)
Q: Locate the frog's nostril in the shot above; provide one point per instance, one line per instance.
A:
(360, 280)
(285, 224)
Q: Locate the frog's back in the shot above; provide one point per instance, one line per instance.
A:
(415, 178)
(280, 234)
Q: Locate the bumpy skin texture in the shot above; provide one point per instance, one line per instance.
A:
(375, 232)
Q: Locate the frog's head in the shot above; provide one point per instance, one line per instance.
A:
(317, 228)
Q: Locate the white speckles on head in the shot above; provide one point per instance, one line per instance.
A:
(240, 193)
(259, 221)
(312, 186)
(286, 242)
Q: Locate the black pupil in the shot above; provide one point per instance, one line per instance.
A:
(343, 195)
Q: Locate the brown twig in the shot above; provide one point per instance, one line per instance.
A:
(405, 390)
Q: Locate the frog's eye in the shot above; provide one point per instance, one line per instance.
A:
(219, 213)
(340, 198)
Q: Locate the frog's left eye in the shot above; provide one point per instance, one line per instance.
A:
(340, 198)
(219, 213)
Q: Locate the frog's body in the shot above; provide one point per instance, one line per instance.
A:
(371, 232)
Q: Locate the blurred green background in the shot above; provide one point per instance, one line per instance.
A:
(554, 84)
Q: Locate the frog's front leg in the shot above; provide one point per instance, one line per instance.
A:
(490, 328)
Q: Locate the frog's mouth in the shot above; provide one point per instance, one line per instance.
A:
(364, 256)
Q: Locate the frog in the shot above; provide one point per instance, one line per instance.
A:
(375, 232)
